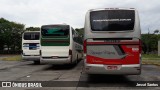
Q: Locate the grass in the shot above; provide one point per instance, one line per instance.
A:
(153, 59)
(13, 58)
(150, 57)
(146, 59)
(151, 62)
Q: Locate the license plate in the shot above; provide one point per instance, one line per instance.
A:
(112, 67)
(54, 57)
(32, 48)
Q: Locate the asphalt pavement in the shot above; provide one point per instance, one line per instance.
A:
(69, 74)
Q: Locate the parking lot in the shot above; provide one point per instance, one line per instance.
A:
(27, 71)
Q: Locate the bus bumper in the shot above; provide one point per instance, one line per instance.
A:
(31, 58)
(134, 69)
(66, 60)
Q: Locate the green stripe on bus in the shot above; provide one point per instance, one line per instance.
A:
(55, 37)
(55, 42)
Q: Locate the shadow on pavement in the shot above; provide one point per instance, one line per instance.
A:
(105, 81)
(62, 67)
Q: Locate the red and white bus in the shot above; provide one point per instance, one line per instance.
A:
(112, 41)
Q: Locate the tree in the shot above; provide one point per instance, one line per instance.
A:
(150, 42)
(33, 29)
(156, 31)
(10, 34)
(80, 31)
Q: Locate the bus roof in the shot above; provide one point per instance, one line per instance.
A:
(112, 9)
(55, 24)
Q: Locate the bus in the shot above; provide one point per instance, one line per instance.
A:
(112, 41)
(31, 46)
(60, 44)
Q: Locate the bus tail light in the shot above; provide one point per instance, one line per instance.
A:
(84, 46)
(70, 52)
(25, 45)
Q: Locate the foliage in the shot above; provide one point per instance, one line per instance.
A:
(156, 31)
(13, 58)
(10, 34)
(150, 42)
(33, 29)
(80, 31)
(150, 56)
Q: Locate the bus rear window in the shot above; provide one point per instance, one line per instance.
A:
(55, 30)
(112, 20)
(31, 36)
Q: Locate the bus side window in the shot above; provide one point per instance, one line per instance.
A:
(72, 32)
(76, 37)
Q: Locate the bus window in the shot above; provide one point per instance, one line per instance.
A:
(31, 36)
(55, 30)
(112, 20)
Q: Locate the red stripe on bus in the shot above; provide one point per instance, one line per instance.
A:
(97, 60)
(131, 58)
(96, 43)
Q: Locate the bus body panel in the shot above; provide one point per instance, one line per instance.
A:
(32, 53)
(30, 48)
(132, 69)
(112, 52)
(63, 52)
(60, 51)
(93, 34)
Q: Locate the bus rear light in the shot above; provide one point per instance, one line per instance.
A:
(25, 45)
(136, 47)
(84, 46)
(70, 52)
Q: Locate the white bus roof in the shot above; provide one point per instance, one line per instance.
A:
(112, 9)
(55, 24)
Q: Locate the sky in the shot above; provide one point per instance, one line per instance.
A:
(42, 12)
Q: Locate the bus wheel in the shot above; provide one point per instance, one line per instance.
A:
(36, 62)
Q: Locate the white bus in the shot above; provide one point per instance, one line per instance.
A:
(31, 46)
(60, 44)
(112, 41)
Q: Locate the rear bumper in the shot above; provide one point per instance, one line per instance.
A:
(134, 69)
(31, 58)
(56, 61)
